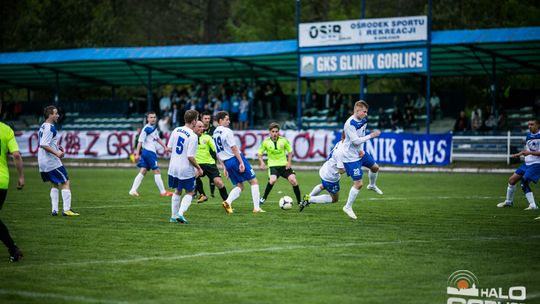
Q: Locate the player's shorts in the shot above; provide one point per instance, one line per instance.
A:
(211, 171)
(3, 194)
(280, 171)
(331, 187)
(179, 184)
(531, 172)
(354, 169)
(367, 160)
(148, 160)
(56, 176)
(235, 176)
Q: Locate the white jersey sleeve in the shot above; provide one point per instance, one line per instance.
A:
(329, 170)
(47, 137)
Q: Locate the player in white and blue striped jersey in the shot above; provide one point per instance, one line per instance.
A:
(355, 137)
(147, 158)
(527, 172)
(237, 168)
(183, 167)
(50, 166)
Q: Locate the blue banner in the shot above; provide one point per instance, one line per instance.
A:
(411, 149)
(368, 62)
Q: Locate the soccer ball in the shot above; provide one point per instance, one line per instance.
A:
(286, 203)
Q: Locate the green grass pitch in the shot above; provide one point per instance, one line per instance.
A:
(402, 248)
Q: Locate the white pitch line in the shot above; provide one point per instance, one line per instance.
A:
(42, 295)
(242, 251)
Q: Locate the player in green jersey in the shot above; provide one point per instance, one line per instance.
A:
(208, 164)
(8, 144)
(279, 164)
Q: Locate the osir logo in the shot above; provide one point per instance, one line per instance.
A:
(463, 288)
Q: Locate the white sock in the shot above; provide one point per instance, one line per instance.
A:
(137, 182)
(54, 199)
(175, 204)
(159, 183)
(234, 194)
(315, 190)
(255, 195)
(530, 199)
(320, 199)
(66, 199)
(352, 197)
(510, 193)
(186, 202)
(372, 177)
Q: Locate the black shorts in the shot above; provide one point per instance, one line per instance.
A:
(211, 171)
(3, 193)
(280, 171)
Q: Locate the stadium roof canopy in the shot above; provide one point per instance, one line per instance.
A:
(453, 53)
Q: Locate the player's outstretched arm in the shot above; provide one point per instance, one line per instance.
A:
(262, 165)
(17, 159)
(58, 154)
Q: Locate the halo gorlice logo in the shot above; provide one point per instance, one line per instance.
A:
(462, 287)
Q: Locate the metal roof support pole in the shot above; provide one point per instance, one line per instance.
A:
(57, 89)
(298, 68)
(428, 63)
(494, 84)
(363, 84)
(149, 92)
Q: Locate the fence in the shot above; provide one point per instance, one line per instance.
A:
(486, 148)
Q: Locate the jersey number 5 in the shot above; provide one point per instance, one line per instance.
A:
(219, 144)
(180, 145)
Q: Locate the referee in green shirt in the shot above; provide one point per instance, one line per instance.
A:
(279, 164)
(9, 144)
(208, 163)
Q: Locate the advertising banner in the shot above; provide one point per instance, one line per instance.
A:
(368, 62)
(362, 31)
(308, 146)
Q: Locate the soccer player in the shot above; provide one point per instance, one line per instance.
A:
(527, 172)
(279, 164)
(355, 136)
(330, 173)
(50, 166)
(208, 163)
(209, 128)
(8, 144)
(183, 167)
(237, 168)
(147, 159)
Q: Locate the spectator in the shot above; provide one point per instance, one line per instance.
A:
(435, 103)
(175, 116)
(409, 119)
(244, 110)
(397, 118)
(384, 120)
(462, 123)
(164, 104)
(420, 104)
(235, 111)
(164, 124)
(476, 119)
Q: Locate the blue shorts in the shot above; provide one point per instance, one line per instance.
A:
(148, 160)
(367, 160)
(56, 176)
(235, 176)
(531, 172)
(331, 187)
(354, 170)
(179, 184)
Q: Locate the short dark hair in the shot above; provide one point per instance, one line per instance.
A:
(361, 103)
(273, 125)
(48, 111)
(221, 115)
(190, 116)
(206, 113)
